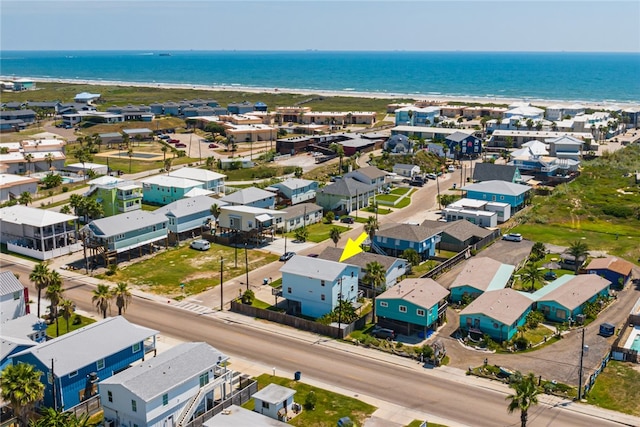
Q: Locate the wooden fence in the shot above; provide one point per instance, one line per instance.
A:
(446, 265)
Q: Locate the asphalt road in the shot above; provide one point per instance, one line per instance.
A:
(410, 388)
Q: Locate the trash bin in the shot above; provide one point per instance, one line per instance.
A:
(297, 375)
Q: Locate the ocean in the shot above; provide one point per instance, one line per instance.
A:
(588, 77)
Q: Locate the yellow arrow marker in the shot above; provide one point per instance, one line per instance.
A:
(353, 247)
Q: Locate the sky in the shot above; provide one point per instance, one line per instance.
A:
(418, 25)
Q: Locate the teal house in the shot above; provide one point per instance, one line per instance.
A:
(120, 233)
(393, 239)
(480, 274)
(499, 191)
(497, 314)
(566, 297)
(163, 189)
(413, 305)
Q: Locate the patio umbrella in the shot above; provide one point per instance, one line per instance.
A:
(552, 265)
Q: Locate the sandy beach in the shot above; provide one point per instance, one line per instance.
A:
(391, 96)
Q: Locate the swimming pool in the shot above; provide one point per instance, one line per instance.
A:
(633, 342)
(635, 345)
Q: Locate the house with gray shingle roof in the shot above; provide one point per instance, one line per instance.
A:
(345, 195)
(459, 235)
(413, 305)
(492, 172)
(301, 215)
(394, 239)
(297, 190)
(168, 389)
(314, 286)
(83, 356)
(369, 175)
(251, 196)
(480, 274)
(394, 268)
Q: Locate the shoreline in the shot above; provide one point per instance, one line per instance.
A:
(439, 98)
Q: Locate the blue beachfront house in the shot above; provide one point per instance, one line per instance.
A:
(499, 191)
(189, 214)
(297, 190)
(78, 360)
(393, 239)
(615, 270)
(315, 286)
(413, 305)
(480, 274)
(416, 116)
(127, 231)
(163, 189)
(253, 197)
(566, 297)
(497, 314)
(212, 181)
(464, 144)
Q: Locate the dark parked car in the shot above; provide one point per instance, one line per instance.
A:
(415, 183)
(172, 141)
(387, 334)
(347, 220)
(287, 256)
(213, 145)
(550, 275)
(181, 145)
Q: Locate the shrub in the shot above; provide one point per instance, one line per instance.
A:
(426, 351)
(112, 270)
(521, 343)
(77, 320)
(534, 318)
(329, 217)
(617, 211)
(310, 401)
(248, 297)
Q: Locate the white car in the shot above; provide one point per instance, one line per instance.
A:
(451, 168)
(513, 237)
(201, 245)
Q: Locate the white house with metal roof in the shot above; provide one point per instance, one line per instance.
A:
(76, 361)
(170, 389)
(274, 401)
(480, 274)
(405, 170)
(38, 233)
(12, 186)
(251, 196)
(28, 326)
(297, 190)
(237, 416)
(212, 181)
(14, 297)
(191, 213)
(314, 286)
(164, 189)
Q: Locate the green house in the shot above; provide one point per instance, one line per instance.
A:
(412, 306)
(115, 195)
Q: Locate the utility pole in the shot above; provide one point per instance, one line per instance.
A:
(221, 281)
(340, 306)
(581, 366)
(438, 185)
(246, 264)
(53, 388)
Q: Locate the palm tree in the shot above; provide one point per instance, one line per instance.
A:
(376, 276)
(67, 308)
(526, 394)
(130, 154)
(538, 251)
(52, 418)
(532, 275)
(334, 234)
(25, 198)
(579, 250)
(412, 256)
(22, 388)
(54, 294)
(164, 150)
(123, 297)
(29, 158)
(102, 299)
(49, 159)
(370, 228)
(40, 277)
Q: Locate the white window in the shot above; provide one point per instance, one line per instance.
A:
(134, 406)
(420, 312)
(73, 374)
(402, 308)
(100, 364)
(384, 304)
(135, 348)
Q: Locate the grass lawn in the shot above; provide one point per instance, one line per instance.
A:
(617, 388)
(257, 172)
(418, 423)
(400, 191)
(198, 270)
(62, 325)
(537, 335)
(419, 270)
(389, 198)
(371, 209)
(330, 406)
(403, 203)
(318, 232)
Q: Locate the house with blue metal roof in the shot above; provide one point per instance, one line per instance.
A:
(314, 286)
(480, 274)
(499, 191)
(497, 313)
(413, 305)
(171, 389)
(72, 364)
(393, 239)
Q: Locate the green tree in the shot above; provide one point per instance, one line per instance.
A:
(20, 385)
(534, 318)
(123, 297)
(298, 172)
(330, 216)
(49, 159)
(52, 418)
(339, 150)
(301, 234)
(579, 250)
(164, 150)
(67, 308)
(52, 180)
(370, 227)
(412, 256)
(29, 158)
(25, 198)
(532, 275)
(65, 209)
(334, 234)
(310, 401)
(248, 297)
(54, 293)
(376, 276)
(83, 155)
(538, 251)
(102, 299)
(40, 278)
(525, 395)
(130, 154)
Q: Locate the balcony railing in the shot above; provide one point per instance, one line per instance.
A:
(129, 196)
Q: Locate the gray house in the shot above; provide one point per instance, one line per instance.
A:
(345, 195)
(302, 215)
(370, 175)
(252, 196)
(189, 214)
(493, 172)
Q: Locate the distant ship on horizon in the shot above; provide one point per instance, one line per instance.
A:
(164, 54)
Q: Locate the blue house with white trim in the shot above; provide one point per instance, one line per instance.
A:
(615, 270)
(251, 196)
(315, 286)
(413, 305)
(566, 297)
(297, 190)
(393, 239)
(496, 313)
(127, 231)
(499, 191)
(191, 213)
(480, 274)
(74, 363)
(164, 189)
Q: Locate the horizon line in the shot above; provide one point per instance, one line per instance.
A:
(311, 50)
